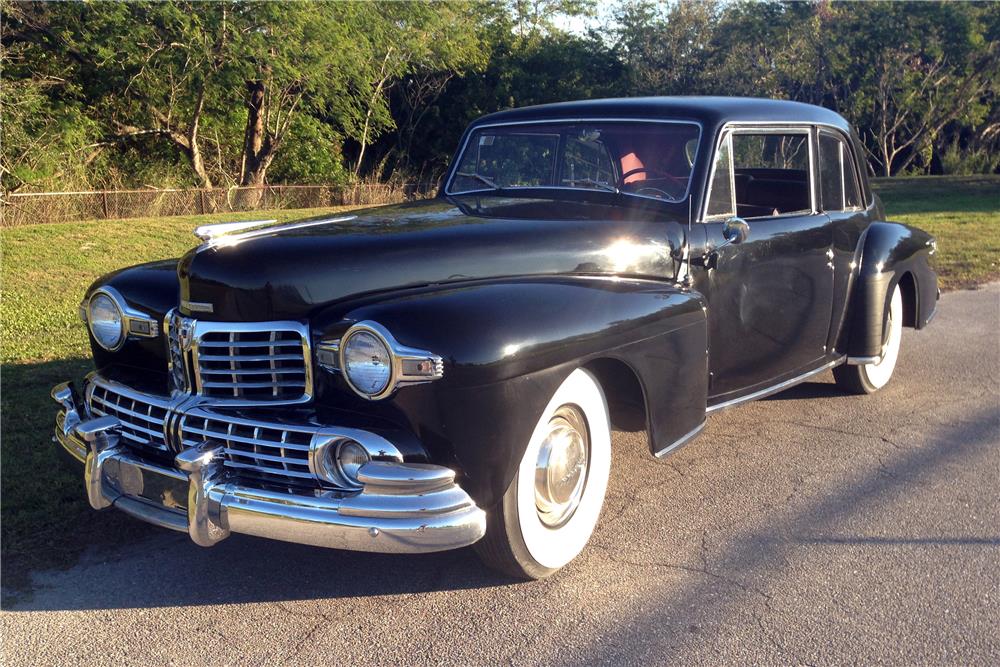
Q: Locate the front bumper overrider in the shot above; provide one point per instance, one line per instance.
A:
(401, 507)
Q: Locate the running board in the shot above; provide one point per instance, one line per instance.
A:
(774, 389)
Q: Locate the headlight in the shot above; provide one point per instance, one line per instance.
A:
(104, 317)
(367, 363)
(374, 363)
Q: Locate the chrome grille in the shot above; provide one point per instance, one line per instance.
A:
(263, 451)
(178, 333)
(258, 363)
(141, 416)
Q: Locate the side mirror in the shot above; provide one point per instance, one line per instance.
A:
(736, 231)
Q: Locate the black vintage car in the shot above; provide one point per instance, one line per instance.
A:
(433, 375)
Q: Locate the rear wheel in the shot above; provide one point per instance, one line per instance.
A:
(869, 378)
(550, 509)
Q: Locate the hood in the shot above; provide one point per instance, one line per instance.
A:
(291, 270)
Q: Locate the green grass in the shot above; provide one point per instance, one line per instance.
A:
(963, 212)
(46, 269)
(46, 520)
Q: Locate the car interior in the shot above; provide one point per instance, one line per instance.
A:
(765, 192)
(758, 175)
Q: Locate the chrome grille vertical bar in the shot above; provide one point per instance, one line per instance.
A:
(232, 363)
(256, 446)
(284, 455)
(270, 353)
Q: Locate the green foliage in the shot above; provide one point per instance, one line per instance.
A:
(959, 161)
(313, 158)
(182, 93)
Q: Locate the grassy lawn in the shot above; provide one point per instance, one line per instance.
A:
(963, 212)
(46, 521)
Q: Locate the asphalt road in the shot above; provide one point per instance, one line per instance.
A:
(812, 527)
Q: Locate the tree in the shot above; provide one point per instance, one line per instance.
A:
(934, 63)
(666, 49)
(417, 47)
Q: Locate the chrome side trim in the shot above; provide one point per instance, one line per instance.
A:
(861, 361)
(781, 386)
(680, 442)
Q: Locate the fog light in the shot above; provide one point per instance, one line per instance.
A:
(350, 457)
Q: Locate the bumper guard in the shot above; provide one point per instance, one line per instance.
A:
(401, 508)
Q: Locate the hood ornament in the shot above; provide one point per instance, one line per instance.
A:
(210, 232)
(227, 234)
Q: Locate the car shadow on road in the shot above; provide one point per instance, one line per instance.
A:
(168, 570)
(808, 391)
(747, 565)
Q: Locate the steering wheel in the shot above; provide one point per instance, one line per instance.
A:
(657, 174)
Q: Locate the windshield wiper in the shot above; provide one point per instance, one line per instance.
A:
(479, 177)
(599, 184)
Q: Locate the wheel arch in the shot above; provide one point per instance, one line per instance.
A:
(908, 290)
(628, 406)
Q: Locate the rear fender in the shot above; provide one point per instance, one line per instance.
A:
(889, 250)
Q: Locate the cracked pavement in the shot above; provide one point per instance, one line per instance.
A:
(809, 528)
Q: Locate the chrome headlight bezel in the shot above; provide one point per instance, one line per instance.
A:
(132, 323)
(325, 451)
(407, 365)
(392, 364)
(113, 297)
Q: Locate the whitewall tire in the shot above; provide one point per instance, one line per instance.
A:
(550, 509)
(869, 378)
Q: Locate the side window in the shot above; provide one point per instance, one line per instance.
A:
(838, 177)
(771, 173)
(720, 196)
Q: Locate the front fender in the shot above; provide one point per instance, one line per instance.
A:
(507, 345)
(889, 251)
(151, 288)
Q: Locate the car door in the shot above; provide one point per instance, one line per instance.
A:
(842, 199)
(770, 296)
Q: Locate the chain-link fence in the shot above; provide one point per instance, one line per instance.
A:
(36, 208)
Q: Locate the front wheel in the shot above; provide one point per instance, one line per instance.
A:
(869, 378)
(551, 507)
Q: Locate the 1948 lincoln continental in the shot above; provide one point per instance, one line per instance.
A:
(447, 373)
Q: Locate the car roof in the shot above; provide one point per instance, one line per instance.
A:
(711, 112)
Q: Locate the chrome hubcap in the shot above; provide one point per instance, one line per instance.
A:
(561, 468)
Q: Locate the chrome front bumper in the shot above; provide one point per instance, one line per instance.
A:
(401, 508)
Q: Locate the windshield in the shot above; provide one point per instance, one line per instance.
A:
(648, 159)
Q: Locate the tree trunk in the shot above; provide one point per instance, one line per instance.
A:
(256, 144)
(383, 78)
(198, 166)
